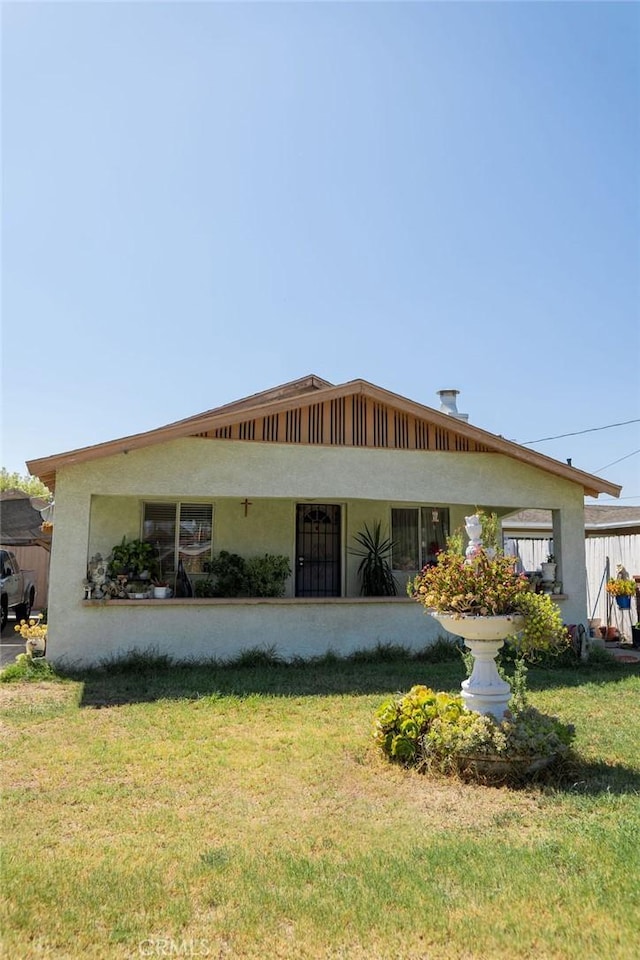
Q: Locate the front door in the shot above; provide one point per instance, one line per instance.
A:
(318, 547)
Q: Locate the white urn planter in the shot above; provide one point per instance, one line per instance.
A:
(484, 691)
(548, 572)
(161, 593)
(36, 646)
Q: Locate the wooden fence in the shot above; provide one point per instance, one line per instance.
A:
(36, 559)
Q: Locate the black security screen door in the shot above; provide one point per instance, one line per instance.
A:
(318, 550)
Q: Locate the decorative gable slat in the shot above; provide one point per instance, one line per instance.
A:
(400, 430)
(359, 415)
(337, 422)
(270, 429)
(292, 426)
(316, 423)
(442, 438)
(356, 420)
(421, 428)
(380, 425)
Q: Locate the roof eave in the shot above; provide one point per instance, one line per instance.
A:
(316, 390)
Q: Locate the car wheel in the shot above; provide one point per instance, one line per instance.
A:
(4, 616)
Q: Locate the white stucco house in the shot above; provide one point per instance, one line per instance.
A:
(296, 470)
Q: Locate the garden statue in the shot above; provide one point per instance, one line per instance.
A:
(473, 527)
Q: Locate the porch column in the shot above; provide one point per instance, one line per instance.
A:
(569, 551)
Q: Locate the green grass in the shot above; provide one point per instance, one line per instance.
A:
(242, 811)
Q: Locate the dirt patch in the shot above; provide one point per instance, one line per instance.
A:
(20, 695)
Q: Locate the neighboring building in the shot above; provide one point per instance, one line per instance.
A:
(21, 532)
(297, 470)
(612, 538)
(606, 521)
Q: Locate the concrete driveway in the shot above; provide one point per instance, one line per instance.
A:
(11, 644)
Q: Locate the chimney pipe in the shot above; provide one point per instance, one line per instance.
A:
(448, 404)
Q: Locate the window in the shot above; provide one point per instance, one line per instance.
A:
(419, 534)
(179, 531)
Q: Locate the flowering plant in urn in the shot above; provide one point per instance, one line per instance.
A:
(486, 584)
(34, 633)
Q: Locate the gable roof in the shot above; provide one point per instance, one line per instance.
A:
(313, 411)
(596, 518)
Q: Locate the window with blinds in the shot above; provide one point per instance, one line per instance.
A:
(179, 531)
(418, 534)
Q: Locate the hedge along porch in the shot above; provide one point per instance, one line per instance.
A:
(355, 453)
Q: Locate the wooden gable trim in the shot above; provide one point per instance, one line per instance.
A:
(286, 391)
(312, 411)
(344, 418)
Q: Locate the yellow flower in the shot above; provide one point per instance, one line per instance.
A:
(33, 630)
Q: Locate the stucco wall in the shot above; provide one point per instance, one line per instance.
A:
(220, 629)
(203, 468)
(89, 518)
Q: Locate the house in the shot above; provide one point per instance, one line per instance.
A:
(612, 538)
(297, 470)
(605, 521)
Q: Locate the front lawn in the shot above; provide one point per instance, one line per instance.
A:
(245, 813)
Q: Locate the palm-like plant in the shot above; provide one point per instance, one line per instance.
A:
(374, 571)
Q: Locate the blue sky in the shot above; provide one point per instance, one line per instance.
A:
(203, 200)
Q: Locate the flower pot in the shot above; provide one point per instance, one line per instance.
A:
(480, 628)
(500, 770)
(548, 572)
(624, 603)
(161, 593)
(36, 646)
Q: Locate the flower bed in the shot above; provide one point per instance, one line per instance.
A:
(434, 731)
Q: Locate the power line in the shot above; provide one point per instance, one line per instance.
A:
(616, 499)
(617, 461)
(577, 433)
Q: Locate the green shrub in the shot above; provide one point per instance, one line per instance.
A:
(204, 588)
(229, 574)
(435, 731)
(233, 576)
(28, 668)
(131, 557)
(266, 575)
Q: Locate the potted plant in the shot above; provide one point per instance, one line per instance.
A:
(484, 600)
(622, 590)
(133, 559)
(374, 571)
(549, 569)
(161, 589)
(34, 633)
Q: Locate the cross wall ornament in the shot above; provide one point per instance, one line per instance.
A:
(246, 504)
